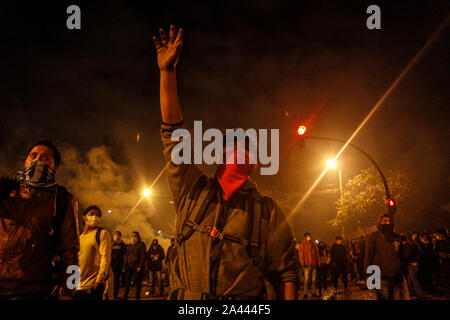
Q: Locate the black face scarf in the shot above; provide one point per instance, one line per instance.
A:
(387, 230)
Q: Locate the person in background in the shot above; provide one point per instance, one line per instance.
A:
(119, 250)
(338, 259)
(170, 256)
(383, 250)
(134, 264)
(324, 261)
(442, 250)
(426, 264)
(94, 256)
(155, 256)
(308, 254)
(410, 256)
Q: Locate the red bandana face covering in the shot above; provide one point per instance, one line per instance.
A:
(232, 176)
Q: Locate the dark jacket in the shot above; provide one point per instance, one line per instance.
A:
(118, 252)
(155, 257)
(382, 252)
(338, 255)
(170, 255)
(135, 257)
(27, 244)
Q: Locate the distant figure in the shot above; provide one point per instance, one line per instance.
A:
(134, 264)
(119, 250)
(324, 261)
(94, 256)
(383, 250)
(442, 249)
(338, 255)
(155, 256)
(170, 256)
(410, 256)
(308, 254)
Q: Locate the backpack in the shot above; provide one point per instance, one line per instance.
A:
(257, 205)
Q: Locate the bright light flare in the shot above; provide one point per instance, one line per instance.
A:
(147, 192)
(301, 130)
(331, 164)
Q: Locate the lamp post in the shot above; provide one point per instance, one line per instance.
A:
(332, 164)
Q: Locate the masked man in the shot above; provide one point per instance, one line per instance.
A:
(231, 242)
(383, 250)
(38, 221)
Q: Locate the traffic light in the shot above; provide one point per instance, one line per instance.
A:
(301, 131)
(392, 206)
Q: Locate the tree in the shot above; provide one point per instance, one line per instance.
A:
(363, 199)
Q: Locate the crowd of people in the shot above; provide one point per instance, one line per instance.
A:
(418, 267)
(40, 242)
(130, 264)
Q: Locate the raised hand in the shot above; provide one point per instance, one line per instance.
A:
(168, 51)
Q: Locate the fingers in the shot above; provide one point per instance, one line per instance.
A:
(156, 42)
(163, 36)
(172, 33)
(179, 35)
(172, 38)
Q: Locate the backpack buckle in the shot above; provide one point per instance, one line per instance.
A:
(212, 232)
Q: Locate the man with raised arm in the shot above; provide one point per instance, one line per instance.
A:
(231, 242)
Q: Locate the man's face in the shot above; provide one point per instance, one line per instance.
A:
(308, 238)
(339, 241)
(386, 220)
(41, 153)
(117, 236)
(237, 148)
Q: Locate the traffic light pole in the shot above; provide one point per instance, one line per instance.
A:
(388, 194)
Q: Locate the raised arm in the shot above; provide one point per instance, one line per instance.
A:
(181, 177)
(168, 52)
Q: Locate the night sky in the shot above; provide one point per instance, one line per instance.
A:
(251, 64)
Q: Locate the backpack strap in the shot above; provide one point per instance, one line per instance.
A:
(204, 198)
(97, 235)
(256, 206)
(61, 206)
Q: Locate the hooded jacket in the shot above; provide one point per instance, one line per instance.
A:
(381, 251)
(155, 257)
(234, 273)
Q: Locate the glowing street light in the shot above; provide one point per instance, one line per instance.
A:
(331, 163)
(147, 193)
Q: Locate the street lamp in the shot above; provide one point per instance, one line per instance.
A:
(331, 163)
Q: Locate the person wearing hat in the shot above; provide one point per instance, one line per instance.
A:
(383, 250)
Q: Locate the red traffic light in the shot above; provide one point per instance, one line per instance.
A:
(301, 130)
(390, 202)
